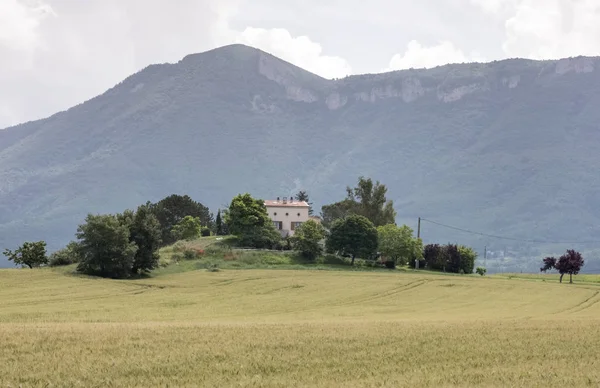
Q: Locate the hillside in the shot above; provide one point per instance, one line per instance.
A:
(296, 329)
(507, 148)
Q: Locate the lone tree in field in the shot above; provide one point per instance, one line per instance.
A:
(307, 239)
(30, 254)
(354, 236)
(569, 263)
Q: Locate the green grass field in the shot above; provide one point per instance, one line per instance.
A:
(265, 328)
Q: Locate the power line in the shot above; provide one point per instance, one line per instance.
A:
(509, 238)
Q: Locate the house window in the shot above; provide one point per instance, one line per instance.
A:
(296, 225)
(278, 225)
(287, 214)
(275, 214)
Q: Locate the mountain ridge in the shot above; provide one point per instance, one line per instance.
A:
(240, 114)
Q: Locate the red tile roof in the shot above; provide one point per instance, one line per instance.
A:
(280, 203)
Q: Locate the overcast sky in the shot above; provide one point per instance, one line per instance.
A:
(57, 53)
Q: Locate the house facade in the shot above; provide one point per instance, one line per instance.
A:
(287, 214)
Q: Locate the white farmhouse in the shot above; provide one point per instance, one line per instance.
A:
(287, 215)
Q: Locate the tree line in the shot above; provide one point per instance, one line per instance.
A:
(361, 225)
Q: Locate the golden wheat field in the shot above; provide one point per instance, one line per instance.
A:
(278, 328)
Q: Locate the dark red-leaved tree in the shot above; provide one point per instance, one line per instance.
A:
(569, 263)
(549, 263)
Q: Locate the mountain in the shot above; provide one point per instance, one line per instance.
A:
(507, 148)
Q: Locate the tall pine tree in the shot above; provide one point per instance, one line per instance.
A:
(303, 196)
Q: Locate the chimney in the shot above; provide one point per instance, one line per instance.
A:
(277, 199)
(291, 199)
(284, 199)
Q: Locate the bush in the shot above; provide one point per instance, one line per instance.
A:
(449, 258)
(66, 256)
(434, 257)
(307, 239)
(481, 271)
(205, 232)
(467, 259)
(391, 264)
(263, 238)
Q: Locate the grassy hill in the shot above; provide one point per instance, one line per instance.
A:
(506, 148)
(296, 329)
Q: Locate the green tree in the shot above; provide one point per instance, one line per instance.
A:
(219, 227)
(247, 218)
(398, 244)
(336, 211)
(481, 271)
(354, 235)
(303, 196)
(468, 256)
(307, 239)
(187, 229)
(174, 208)
(105, 246)
(30, 254)
(367, 199)
(145, 232)
(371, 202)
(68, 255)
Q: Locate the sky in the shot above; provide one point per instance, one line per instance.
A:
(55, 54)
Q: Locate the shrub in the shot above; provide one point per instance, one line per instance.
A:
(434, 257)
(467, 258)
(66, 256)
(307, 239)
(481, 271)
(205, 232)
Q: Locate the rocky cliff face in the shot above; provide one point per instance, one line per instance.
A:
(508, 147)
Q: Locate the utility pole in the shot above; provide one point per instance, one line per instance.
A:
(418, 236)
(485, 256)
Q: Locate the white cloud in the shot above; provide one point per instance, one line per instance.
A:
(19, 22)
(493, 6)
(48, 64)
(418, 56)
(19, 32)
(551, 29)
(301, 51)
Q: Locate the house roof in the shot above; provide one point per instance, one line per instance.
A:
(288, 203)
